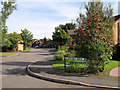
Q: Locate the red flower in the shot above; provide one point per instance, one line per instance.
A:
(110, 43)
(92, 38)
(84, 21)
(88, 31)
(83, 27)
(107, 39)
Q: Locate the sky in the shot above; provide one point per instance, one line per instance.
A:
(42, 16)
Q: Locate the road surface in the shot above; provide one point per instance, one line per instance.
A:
(14, 74)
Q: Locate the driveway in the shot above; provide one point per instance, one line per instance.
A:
(14, 74)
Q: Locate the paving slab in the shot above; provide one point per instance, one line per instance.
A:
(45, 69)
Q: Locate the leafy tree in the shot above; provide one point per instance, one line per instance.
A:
(14, 39)
(45, 39)
(7, 9)
(94, 38)
(60, 36)
(27, 37)
(67, 26)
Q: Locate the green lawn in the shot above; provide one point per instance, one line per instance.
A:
(27, 49)
(8, 54)
(74, 65)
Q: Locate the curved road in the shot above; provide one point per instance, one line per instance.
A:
(14, 74)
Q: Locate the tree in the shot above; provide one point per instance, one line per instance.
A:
(60, 36)
(7, 9)
(27, 37)
(67, 26)
(94, 38)
(45, 39)
(14, 39)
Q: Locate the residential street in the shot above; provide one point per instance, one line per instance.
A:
(14, 74)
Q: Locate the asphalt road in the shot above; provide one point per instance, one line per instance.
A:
(14, 74)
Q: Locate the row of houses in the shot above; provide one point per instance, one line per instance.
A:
(40, 42)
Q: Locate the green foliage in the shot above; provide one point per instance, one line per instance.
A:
(59, 55)
(51, 44)
(64, 48)
(61, 37)
(27, 37)
(72, 53)
(7, 9)
(15, 39)
(79, 66)
(5, 41)
(67, 26)
(94, 38)
(45, 39)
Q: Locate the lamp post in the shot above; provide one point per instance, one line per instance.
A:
(58, 38)
(24, 41)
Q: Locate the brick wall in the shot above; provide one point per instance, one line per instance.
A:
(115, 28)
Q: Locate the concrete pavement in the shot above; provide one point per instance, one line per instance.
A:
(115, 72)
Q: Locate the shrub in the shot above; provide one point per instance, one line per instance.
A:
(59, 55)
(94, 41)
(72, 53)
(64, 48)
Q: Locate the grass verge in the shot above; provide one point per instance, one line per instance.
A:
(75, 65)
(8, 54)
(27, 49)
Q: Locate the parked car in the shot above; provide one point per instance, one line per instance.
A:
(36, 46)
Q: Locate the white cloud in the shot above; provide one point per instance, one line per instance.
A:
(40, 23)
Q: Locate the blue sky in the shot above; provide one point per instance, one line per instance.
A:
(42, 16)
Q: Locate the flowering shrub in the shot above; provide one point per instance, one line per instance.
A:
(94, 41)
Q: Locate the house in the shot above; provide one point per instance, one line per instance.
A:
(116, 29)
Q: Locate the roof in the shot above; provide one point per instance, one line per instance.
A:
(117, 17)
(71, 32)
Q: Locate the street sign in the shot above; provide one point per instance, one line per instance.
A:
(74, 58)
(70, 58)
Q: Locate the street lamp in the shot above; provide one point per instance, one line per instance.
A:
(24, 41)
(58, 37)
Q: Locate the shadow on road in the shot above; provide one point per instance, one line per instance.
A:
(17, 63)
(43, 63)
(15, 71)
(44, 54)
(47, 68)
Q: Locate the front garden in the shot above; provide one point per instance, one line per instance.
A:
(75, 66)
(93, 40)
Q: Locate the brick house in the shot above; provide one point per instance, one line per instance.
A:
(116, 29)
